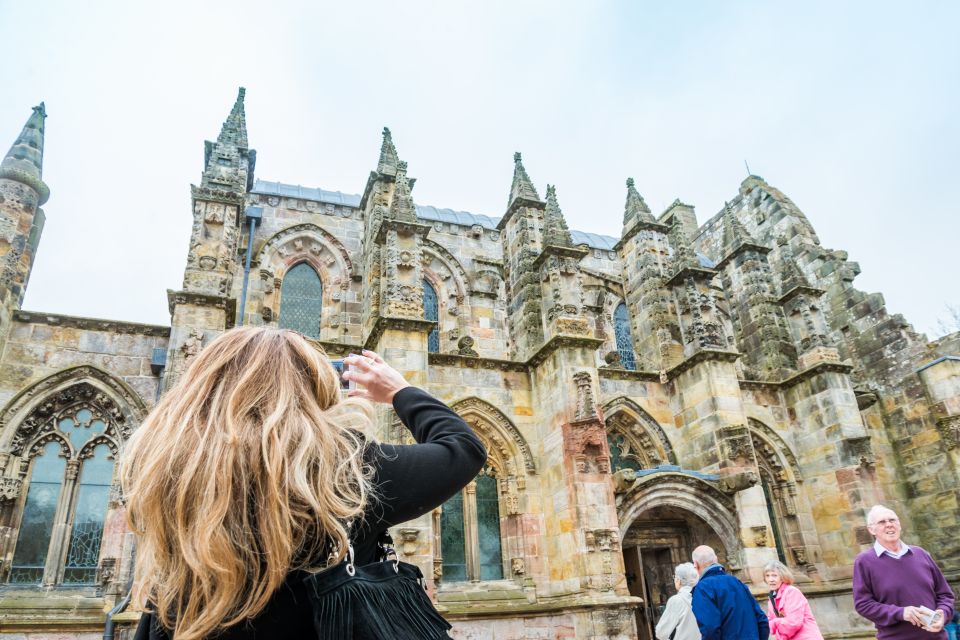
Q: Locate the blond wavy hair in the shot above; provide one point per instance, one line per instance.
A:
(249, 467)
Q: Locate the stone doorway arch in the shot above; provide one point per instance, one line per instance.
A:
(663, 516)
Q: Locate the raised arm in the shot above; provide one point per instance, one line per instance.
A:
(413, 479)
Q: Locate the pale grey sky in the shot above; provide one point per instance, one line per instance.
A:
(849, 108)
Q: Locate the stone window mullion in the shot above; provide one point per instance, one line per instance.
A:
(56, 555)
(470, 531)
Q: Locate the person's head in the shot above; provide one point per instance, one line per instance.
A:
(775, 573)
(884, 524)
(685, 575)
(250, 466)
(703, 557)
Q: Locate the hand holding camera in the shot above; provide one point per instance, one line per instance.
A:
(375, 379)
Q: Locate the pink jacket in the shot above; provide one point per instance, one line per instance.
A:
(796, 620)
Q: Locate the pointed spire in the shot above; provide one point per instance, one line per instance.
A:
(734, 233)
(522, 188)
(791, 276)
(402, 207)
(635, 208)
(555, 231)
(24, 161)
(234, 130)
(387, 165)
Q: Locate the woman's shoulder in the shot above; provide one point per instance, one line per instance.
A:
(791, 591)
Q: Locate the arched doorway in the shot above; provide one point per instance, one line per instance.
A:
(663, 517)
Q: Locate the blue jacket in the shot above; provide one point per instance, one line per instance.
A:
(726, 610)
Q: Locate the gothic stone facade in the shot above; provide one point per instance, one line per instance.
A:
(722, 382)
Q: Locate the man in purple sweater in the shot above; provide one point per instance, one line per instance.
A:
(892, 581)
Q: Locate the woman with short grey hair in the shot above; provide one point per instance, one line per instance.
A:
(677, 622)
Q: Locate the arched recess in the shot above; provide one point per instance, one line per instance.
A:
(506, 447)
(607, 299)
(688, 493)
(509, 461)
(21, 418)
(780, 476)
(87, 415)
(449, 279)
(324, 253)
(636, 436)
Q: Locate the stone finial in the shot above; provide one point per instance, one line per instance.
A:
(387, 164)
(234, 130)
(402, 207)
(683, 255)
(635, 207)
(24, 162)
(734, 233)
(555, 231)
(586, 407)
(522, 188)
(791, 276)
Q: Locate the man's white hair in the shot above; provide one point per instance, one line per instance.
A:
(686, 574)
(875, 510)
(704, 555)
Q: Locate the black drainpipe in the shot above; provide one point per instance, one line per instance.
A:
(253, 214)
(108, 627)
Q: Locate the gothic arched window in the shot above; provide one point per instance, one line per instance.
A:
(301, 297)
(431, 312)
(470, 532)
(621, 329)
(69, 443)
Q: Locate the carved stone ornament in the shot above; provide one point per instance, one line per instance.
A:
(496, 429)
(759, 536)
(612, 360)
(408, 540)
(107, 571)
(465, 347)
(10, 489)
(737, 482)
(949, 429)
(40, 426)
(586, 407)
(517, 566)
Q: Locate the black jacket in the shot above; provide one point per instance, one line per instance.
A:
(410, 481)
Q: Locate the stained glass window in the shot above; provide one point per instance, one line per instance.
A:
(95, 478)
(452, 545)
(621, 329)
(36, 525)
(430, 312)
(301, 295)
(618, 453)
(488, 528)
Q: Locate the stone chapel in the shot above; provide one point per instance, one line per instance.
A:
(719, 381)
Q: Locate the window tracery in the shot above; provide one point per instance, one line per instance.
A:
(66, 446)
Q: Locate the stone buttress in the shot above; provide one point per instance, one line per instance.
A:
(203, 308)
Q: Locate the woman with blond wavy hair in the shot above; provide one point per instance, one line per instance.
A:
(253, 473)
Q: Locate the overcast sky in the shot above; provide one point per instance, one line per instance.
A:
(850, 108)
